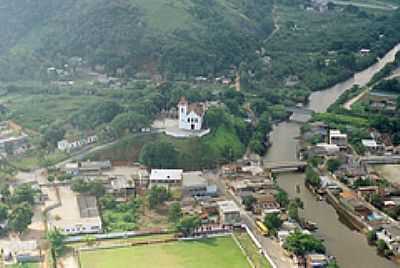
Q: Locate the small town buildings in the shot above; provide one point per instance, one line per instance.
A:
(316, 261)
(372, 146)
(229, 213)
(325, 149)
(265, 204)
(366, 191)
(354, 204)
(382, 101)
(87, 167)
(195, 185)
(14, 145)
(166, 177)
(122, 187)
(190, 115)
(391, 235)
(68, 145)
(338, 138)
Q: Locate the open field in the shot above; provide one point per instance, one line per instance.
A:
(25, 265)
(214, 252)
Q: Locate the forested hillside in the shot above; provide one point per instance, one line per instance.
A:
(175, 37)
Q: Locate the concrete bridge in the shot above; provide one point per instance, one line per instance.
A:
(299, 110)
(279, 167)
(385, 159)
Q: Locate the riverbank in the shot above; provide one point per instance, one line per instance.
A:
(349, 247)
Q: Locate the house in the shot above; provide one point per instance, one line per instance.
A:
(366, 191)
(316, 261)
(190, 115)
(365, 51)
(68, 145)
(372, 146)
(87, 167)
(195, 185)
(322, 149)
(391, 235)
(229, 213)
(338, 138)
(265, 204)
(166, 177)
(382, 101)
(351, 201)
(14, 145)
(122, 187)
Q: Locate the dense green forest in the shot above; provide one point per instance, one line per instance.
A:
(179, 38)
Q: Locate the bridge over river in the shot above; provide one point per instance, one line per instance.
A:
(285, 166)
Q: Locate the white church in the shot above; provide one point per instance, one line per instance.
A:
(190, 115)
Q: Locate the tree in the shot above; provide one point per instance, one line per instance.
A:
(108, 201)
(188, 224)
(381, 246)
(51, 178)
(273, 222)
(129, 122)
(377, 201)
(248, 202)
(293, 211)
(3, 212)
(157, 196)
(56, 239)
(312, 177)
(174, 212)
(333, 164)
(215, 117)
(371, 237)
(160, 154)
(20, 217)
(24, 193)
(333, 264)
(282, 198)
(300, 243)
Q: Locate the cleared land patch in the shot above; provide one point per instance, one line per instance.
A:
(214, 252)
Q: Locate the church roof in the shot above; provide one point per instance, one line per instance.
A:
(183, 101)
(197, 108)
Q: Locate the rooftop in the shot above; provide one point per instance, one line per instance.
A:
(166, 174)
(228, 206)
(369, 143)
(195, 178)
(87, 206)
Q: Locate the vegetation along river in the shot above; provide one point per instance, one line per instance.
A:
(349, 247)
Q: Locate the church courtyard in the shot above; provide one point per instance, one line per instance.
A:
(170, 126)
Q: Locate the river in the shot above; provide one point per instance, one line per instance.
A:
(349, 247)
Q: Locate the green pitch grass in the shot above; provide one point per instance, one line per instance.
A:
(215, 252)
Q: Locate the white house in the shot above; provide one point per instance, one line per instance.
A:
(338, 138)
(166, 177)
(190, 115)
(68, 145)
(229, 212)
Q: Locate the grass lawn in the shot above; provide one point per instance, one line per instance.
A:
(34, 160)
(215, 252)
(252, 251)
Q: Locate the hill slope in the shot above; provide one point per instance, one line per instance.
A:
(185, 37)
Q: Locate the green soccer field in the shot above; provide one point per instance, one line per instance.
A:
(215, 252)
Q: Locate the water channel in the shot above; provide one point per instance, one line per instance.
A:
(349, 246)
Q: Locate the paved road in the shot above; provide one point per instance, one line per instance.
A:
(272, 247)
(85, 152)
(387, 7)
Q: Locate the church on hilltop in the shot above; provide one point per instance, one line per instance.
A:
(190, 115)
